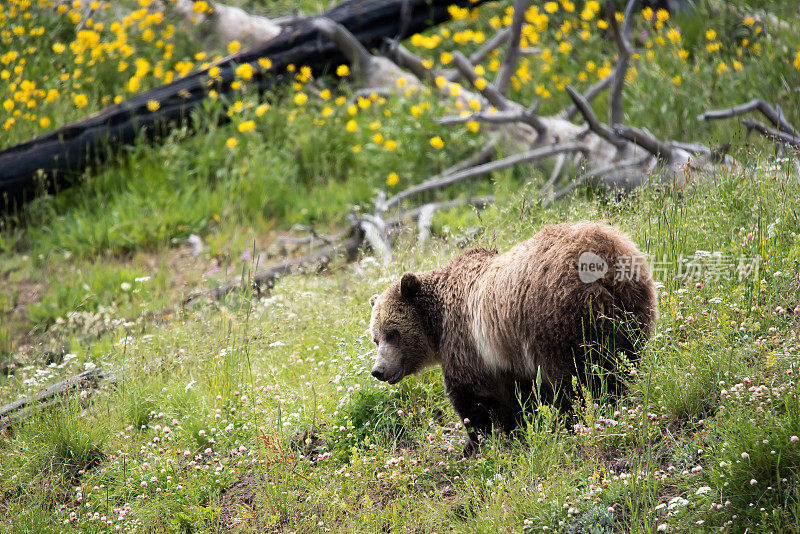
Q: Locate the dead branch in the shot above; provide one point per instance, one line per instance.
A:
(591, 93)
(659, 149)
(622, 38)
(484, 155)
(510, 60)
(480, 157)
(771, 113)
(591, 119)
(528, 116)
(377, 235)
(346, 43)
(400, 55)
(480, 170)
(415, 213)
(52, 395)
(612, 169)
(479, 55)
(425, 221)
(372, 71)
(556, 172)
(775, 135)
(316, 261)
(488, 90)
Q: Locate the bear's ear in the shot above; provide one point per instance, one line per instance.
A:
(372, 300)
(410, 286)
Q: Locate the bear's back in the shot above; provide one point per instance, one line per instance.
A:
(533, 307)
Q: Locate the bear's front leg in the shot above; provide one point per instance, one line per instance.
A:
(481, 412)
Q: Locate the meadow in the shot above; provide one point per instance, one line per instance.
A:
(258, 413)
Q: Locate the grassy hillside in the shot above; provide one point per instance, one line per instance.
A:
(261, 414)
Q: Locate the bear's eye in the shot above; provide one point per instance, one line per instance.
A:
(390, 336)
(375, 340)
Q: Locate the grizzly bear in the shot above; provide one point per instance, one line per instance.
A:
(509, 329)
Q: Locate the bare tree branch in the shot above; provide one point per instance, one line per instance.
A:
(591, 93)
(591, 119)
(400, 55)
(489, 91)
(480, 170)
(346, 42)
(661, 150)
(559, 165)
(482, 156)
(479, 55)
(17, 410)
(622, 38)
(317, 260)
(528, 116)
(376, 234)
(415, 213)
(772, 114)
(768, 132)
(610, 169)
(509, 65)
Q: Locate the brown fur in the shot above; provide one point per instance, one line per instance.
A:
(495, 321)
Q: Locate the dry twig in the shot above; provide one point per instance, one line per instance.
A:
(509, 65)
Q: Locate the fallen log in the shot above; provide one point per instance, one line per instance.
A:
(53, 161)
(315, 261)
(53, 395)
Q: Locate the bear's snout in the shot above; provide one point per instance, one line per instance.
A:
(392, 376)
(378, 373)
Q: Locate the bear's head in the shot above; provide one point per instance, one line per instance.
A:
(398, 329)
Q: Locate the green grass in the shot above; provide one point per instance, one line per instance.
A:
(278, 391)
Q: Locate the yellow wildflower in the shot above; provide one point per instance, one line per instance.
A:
(153, 105)
(437, 143)
(392, 179)
(352, 126)
(342, 71)
(231, 142)
(245, 71)
(247, 126)
(300, 99)
(80, 100)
